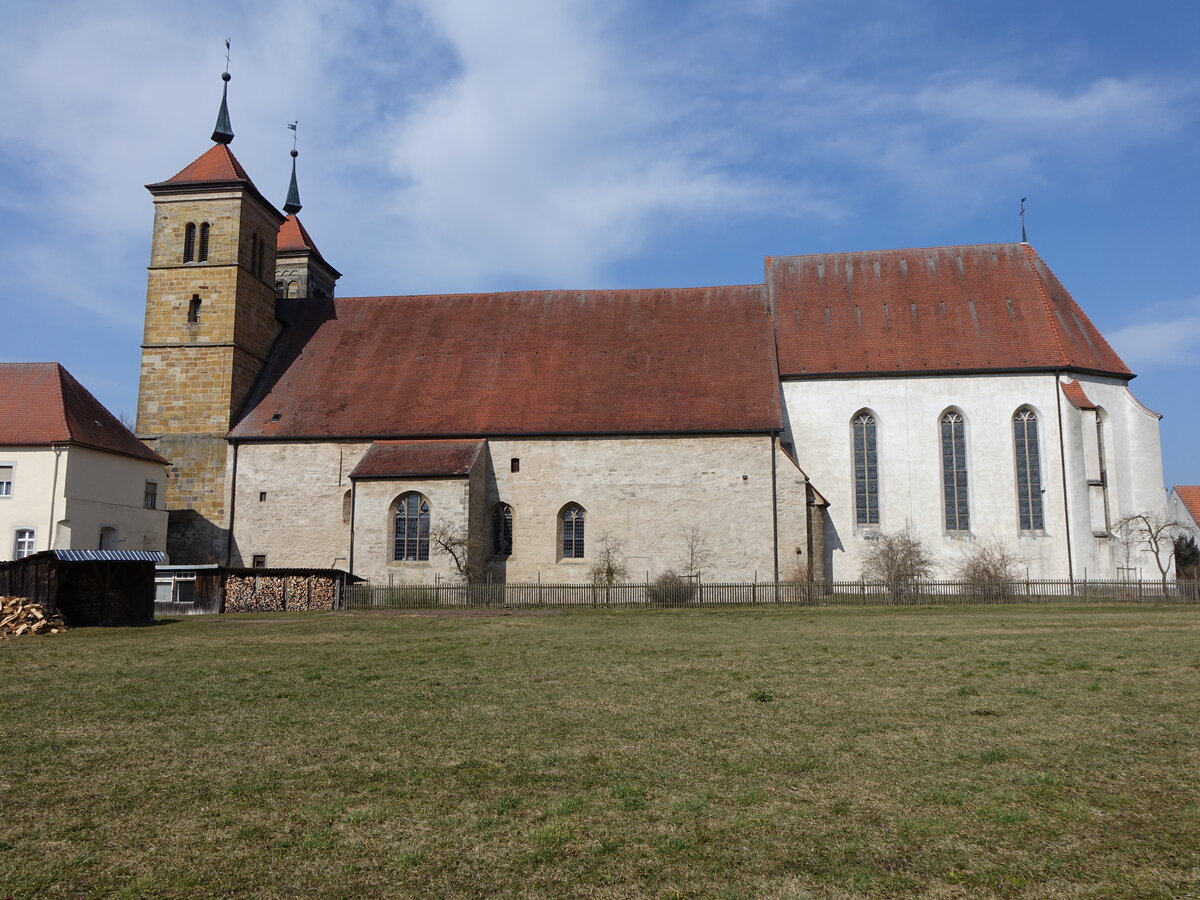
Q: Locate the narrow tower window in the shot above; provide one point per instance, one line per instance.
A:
(1029, 470)
(203, 242)
(189, 242)
(194, 309)
(954, 472)
(866, 471)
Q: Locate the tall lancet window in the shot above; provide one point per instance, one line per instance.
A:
(189, 242)
(954, 472)
(204, 229)
(1029, 470)
(572, 518)
(412, 528)
(866, 470)
(502, 522)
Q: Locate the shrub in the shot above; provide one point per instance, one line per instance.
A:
(672, 589)
(990, 568)
(900, 560)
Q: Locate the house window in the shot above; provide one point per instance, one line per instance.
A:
(1029, 470)
(23, 543)
(412, 528)
(572, 531)
(259, 561)
(194, 309)
(6, 473)
(502, 519)
(954, 472)
(203, 256)
(189, 242)
(150, 498)
(866, 471)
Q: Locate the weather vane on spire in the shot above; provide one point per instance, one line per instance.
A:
(1023, 240)
(292, 206)
(223, 133)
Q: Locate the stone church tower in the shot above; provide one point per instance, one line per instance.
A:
(210, 322)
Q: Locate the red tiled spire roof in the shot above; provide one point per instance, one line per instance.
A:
(1189, 495)
(216, 164)
(940, 309)
(42, 404)
(1074, 392)
(418, 459)
(593, 362)
(294, 236)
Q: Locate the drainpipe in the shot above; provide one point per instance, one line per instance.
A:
(58, 449)
(1062, 457)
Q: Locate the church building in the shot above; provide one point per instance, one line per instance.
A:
(768, 431)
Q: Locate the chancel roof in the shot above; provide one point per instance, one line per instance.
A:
(941, 309)
(42, 404)
(683, 360)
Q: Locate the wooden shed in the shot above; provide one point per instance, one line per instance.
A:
(86, 587)
(194, 590)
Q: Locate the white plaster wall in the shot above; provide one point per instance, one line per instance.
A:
(107, 490)
(374, 515)
(34, 492)
(908, 412)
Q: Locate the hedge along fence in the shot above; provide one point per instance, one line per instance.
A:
(690, 594)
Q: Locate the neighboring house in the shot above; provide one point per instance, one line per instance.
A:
(1183, 506)
(72, 477)
(960, 391)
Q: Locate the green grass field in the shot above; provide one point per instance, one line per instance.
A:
(937, 752)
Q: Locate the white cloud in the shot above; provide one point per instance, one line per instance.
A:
(1170, 338)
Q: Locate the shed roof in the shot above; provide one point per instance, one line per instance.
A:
(688, 360)
(419, 459)
(939, 309)
(1075, 393)
(43, 404)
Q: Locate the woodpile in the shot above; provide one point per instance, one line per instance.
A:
(20, 616)
(275, 593)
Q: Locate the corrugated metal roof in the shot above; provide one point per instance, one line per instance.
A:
(154, 556)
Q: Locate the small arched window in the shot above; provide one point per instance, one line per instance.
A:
(189, 242)
(866, 470)
(1029, 470)
(108, 538)
(954, 471)
(204, 229)
(412, 528)
(293, 290)
(502, 523)
(572, 517)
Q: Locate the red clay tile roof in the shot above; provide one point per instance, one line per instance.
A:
(216, 164)
(557, 362)
(294, 238)
(42, 404)
(418, 459)
(942, 309)
(1189, 495)
(1074, 392)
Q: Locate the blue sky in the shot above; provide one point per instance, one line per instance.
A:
(450, 145)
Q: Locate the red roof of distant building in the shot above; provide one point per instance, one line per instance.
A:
(942, 309)
(418, 459)
(1189, 495)
(42, 404)
(1075, 393)
(684, 360)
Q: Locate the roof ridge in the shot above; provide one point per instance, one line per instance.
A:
(895, 250)
(545, 291)
(1032, 255)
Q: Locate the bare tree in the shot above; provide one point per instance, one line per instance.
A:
(899, 559)
(609, 566)
(694, 556)
(1153, 534)
(460, 548)
(991, 567)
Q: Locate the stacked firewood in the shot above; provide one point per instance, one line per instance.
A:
(272, 593)
(21, 616)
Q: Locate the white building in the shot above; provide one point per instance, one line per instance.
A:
(72, 477)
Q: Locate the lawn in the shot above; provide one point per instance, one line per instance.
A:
(749, 753)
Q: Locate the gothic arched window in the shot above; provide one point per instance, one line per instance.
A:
(572, 518)
(1029, 470)
(954, 471)
(866, 470)
(502, 522)
(189, 242)
(412, 528)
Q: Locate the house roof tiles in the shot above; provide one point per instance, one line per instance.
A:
(1189, 495)
(42, 404)
(1075, 393)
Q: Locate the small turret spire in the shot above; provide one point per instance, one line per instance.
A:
(223, 133)
(292, 205)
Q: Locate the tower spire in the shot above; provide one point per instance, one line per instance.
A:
(292, 205)
(223, 133)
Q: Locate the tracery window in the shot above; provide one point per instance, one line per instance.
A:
(502, 522)
(189, 242)
(954, 472)
(572, 518)
(412, 528)
(1029, 470)
(866, 470)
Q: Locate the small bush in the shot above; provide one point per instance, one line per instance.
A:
(672, 589)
